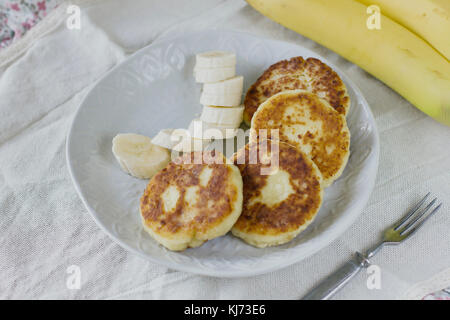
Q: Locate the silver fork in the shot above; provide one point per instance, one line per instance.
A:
(402, 230)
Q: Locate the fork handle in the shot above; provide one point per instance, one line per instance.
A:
(337, 280)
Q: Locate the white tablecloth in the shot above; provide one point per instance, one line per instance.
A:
(44, 227)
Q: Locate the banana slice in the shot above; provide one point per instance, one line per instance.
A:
(227, 93)
(206, 75)
(208, 131)
(222, 115)
(215, 59)
(192, 144)
(167, 138)
(179, 140)
(225, 100)
(234, 85)
(138, 156)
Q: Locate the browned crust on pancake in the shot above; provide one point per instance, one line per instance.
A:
(333, 124)
(215, 202)
(325, 82)
(289, 214)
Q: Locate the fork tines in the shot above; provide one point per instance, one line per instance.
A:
(412, 217)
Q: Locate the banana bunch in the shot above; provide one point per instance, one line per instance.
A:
(429, 19)
(409, 52)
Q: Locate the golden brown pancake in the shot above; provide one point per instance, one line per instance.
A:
(308, 122)
(187, 204)
(276, 207)
(311, 74)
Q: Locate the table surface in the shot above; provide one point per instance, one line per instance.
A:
(16, 19)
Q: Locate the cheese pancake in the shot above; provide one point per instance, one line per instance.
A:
(297, 73)
(189, 202)
(279, 206)
(308, 122)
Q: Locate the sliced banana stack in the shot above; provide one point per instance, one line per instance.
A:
(221, 99)
(215, 59)
(206, 75)
(214, 66)
(223, 115)
(227, 93)
(138, 156)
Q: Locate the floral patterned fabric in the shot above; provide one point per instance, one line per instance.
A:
(18, 16)
(441, 295)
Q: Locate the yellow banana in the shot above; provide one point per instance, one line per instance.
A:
(393, 54)
(429, 19)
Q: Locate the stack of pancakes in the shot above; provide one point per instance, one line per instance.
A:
(296, 110)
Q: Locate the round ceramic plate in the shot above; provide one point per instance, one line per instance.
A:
(155, 89)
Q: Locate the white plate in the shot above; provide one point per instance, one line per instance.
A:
(155, 89)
